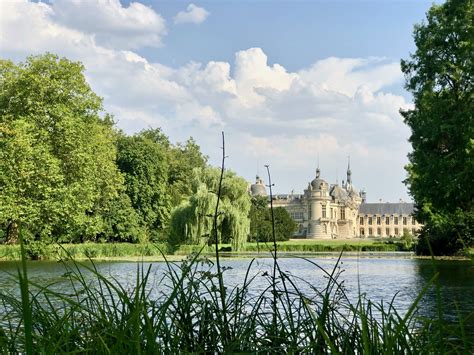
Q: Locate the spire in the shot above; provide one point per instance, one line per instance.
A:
(318, 172)
(349, 172)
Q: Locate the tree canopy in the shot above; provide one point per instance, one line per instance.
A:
(261, 222)
(440, 76)
(57, 154)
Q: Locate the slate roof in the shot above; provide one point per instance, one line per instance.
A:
(387, 208)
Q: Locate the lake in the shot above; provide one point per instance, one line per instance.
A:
(380, 278)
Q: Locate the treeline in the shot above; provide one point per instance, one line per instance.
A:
(67, 174)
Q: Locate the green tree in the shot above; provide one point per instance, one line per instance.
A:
(142, 159)
(192, 221)
(441, 170)
(261, 222)
(57, 158)
(183, 159)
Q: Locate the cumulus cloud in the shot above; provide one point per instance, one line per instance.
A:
(335, 107)
(110, 23)
(193, 14)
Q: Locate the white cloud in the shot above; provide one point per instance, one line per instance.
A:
(110, 23)
(336, 107)
(193, 14)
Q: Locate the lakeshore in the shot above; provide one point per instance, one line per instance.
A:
(393, 248)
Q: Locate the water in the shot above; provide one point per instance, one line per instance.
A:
(380, 278)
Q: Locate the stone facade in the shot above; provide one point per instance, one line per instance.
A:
(326, 211)
(387, 220)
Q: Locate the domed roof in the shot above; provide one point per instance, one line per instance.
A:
(318, 182)
(258, 189)
(338, 193)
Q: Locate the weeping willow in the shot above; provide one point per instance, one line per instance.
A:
(192, 222)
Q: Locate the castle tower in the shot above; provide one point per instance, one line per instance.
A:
(258, 189)
(318, 207)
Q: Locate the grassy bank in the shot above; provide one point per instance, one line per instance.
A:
(83, 251)
(128, 250)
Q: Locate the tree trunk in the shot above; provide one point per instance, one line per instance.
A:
(12, 233)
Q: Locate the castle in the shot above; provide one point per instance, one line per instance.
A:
(326, 211)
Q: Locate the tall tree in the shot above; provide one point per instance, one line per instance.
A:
(142, 158)
(440, 76)
(192, 222)
(184, 157)
(57, 158)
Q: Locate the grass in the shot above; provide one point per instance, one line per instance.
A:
(133, 251)
(83, 251)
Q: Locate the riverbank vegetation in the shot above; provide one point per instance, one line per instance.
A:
(89, 250)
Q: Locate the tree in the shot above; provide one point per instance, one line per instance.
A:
(57, 159)
(183, 159)
(142, 159)
(441, 170)
(192, 221)
(261, 222)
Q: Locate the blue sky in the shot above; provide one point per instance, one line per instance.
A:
(294, 34)
(285, 80)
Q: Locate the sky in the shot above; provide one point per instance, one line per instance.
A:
(287, 81)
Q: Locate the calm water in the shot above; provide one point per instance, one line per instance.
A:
(379, 278)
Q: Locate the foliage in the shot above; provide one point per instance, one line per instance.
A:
(183, 159)
(192, 223)
(57, 153)
(261, 222)
(440, 76)
(143, 162)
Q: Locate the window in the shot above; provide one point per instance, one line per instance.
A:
(361, 221)
(387, 220)
(324, 211)
(404, 221)
(395, 220)
(413, 231)
(296, 215)
(309, 212)
(362, 231)
(370, 231)
(379, 231)
(413, 221)
(378, 221)
(343, 213)
(387, 231)
(396, 231)
(370, 221)
(331, 215)
(325, 229)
